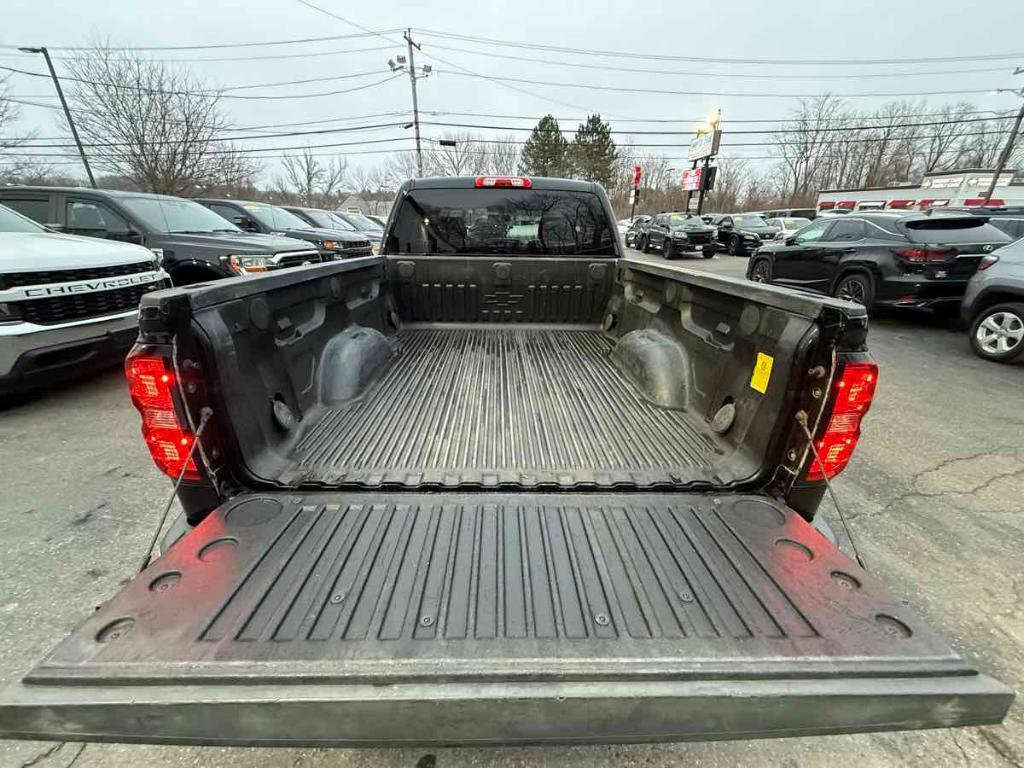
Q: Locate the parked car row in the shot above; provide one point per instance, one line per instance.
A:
(75, 262)
(956, 263)
(196, 241)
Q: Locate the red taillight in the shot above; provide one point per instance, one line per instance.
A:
(826, 205)
(986, 262)
(150, 384)
(518, 182)
(852, 393)
(925, 255)
(975, 201)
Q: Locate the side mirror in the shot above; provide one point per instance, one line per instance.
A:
(246, 223)
(791, 240)
(125, 236)
(725, 225)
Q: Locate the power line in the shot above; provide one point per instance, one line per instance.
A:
(715, 60)
(219, 92)
(689, 121)
(436, 58)
(212, 46)
(869, 139)
(749, 95)
(278, 56)
(268, 125)
(730, 132)
(218, 139)
(251, 150)
(815, 76)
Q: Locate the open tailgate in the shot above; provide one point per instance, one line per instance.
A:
(404, 618)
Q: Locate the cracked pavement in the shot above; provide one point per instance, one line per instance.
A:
(934, 496)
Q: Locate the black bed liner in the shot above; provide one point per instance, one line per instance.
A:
(490, 406)
(365, 618)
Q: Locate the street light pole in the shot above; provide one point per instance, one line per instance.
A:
(67, 112)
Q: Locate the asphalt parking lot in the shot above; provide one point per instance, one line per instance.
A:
(934, 496)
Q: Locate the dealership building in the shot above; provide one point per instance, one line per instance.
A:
(966, 186)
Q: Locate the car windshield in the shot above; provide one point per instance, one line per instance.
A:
(168, 214)
(749, 220)
(15, 222)
(339, 223)
(792, 223)
(275, 218)
(361, 223)
(685, 220)
(505, 221)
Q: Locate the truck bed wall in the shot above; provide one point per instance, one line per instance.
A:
(285, 354)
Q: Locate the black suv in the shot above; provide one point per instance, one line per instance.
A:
(194, 244)
(331, 242)
(676, 234)
(740, 234)
(896, 259)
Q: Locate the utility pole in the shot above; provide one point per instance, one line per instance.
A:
(1004, 158)
(415, 101)
(67, 112)
(399, 63)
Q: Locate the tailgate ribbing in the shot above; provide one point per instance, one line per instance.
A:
(498, 406)
(366, 618)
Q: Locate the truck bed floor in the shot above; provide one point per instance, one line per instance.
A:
(504, 406)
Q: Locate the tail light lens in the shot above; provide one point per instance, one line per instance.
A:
(151, 385)
(925, 255)
(986, 262)
(852, 393)
(518, 182)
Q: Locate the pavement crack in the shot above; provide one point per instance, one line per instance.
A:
(1001, 748)
(43, 755)
(967, 758)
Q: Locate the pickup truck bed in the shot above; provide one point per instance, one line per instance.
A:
(498, 405)
(497, 487)
(364, 618)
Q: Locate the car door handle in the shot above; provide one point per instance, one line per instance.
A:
(847, 250)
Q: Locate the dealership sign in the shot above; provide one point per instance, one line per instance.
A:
(692, 178)
(705, 145)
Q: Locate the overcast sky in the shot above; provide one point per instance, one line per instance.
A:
(724, 29)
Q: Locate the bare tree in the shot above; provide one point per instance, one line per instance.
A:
(310, 181)
(468, 156)
(152, 122)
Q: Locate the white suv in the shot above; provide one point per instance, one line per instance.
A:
(68, 304)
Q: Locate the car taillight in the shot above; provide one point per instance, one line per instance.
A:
(519, 182)
(151, 385)
(925, 255)
(852, 392)
(986, 262)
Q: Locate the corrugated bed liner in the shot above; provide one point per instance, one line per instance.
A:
(504, 407)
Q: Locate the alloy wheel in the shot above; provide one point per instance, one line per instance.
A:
(1000, 333)
(852, 289)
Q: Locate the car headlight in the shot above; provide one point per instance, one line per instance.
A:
(330, 245)
(751, 237)
(158, 258)
(9, 313)
(248, 264)
(375, 248)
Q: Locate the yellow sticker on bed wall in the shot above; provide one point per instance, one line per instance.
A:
(762, 372)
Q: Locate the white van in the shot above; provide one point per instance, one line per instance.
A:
(68, 304)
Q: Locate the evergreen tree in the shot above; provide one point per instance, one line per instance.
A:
(592, 152)
(544, 153)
